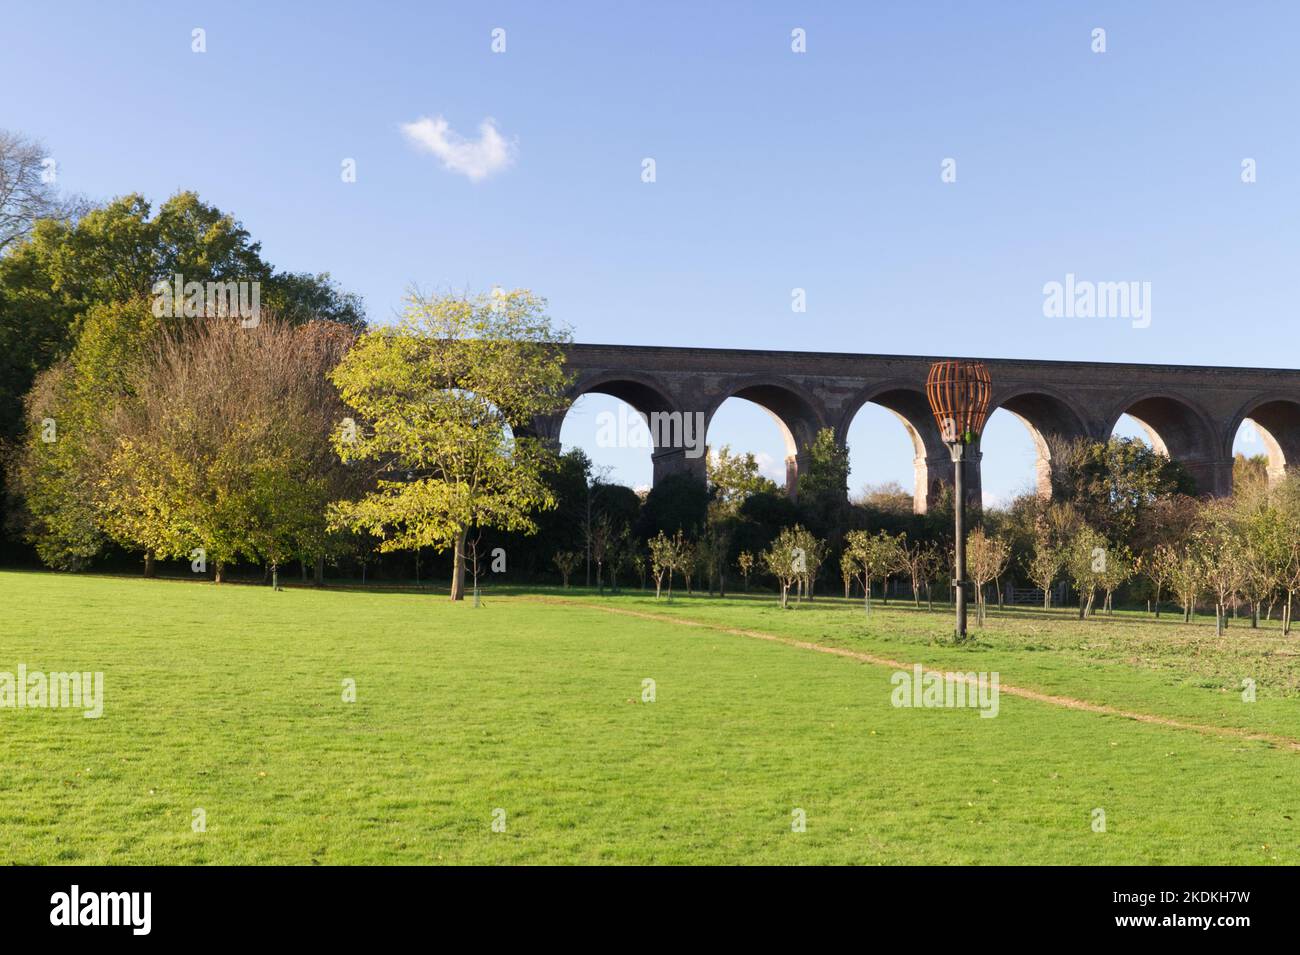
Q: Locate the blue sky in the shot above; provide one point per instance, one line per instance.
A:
(775, 170)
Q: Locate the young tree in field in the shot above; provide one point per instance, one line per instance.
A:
(786, 560)
(1044, 565)
(1159, 569)
(1186, 576)
(1267, 536)
(566, 562)
(1222, 556)
(445, 397)
(849, 571)
(1085, 563)
(913, 558)
(1287, 499)
(1118, 568)
(986, 559)
(745, 561)
(688, 560)
(874, 555)
(600, 539)
(814, 554)
(715, 545)
(935, 566)
(665, 553)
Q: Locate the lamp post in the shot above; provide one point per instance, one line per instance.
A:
(959, 392)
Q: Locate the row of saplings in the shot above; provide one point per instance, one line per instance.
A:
(1235, 553)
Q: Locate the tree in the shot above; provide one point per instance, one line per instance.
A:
(566, 562)
(100, 267)
(1119, 567)
(1222, 556)
(1159, 567)
(715, 547)
(66, 449)
(600, 539)
(1044, 565)
(1287, 500)
(987, 558)
(445, 397)
(223, 443)
(746, 564)
(688, 559)
(849, 570)
(912, 558)
(1267, 536)
(677, 503)
(664, 558)
(1113, 483)
(733, 478)
(1187, 575)
(27, 189)
(785, 560)
(1085, 563)
(824, 485)
(1249, 472)
(813, 555)
(886, 498)
(875, 556)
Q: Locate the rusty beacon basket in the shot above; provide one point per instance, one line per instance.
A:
(959, 393)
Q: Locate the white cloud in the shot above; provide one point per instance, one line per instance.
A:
(770, 467)
(475, 159)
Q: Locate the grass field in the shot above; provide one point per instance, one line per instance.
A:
(229, 699)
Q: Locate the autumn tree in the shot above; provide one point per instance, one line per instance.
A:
(223, 444)
(1222, 554)
(444, 399)
(987, 557)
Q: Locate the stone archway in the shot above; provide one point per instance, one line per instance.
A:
(1183, 432)
(797, 414)
(1277, 423)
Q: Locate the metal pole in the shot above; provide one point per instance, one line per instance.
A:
(959, 545)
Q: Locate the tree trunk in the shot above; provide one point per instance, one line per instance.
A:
(458, 567)
(320, 571)
(218, 572)
(148, 563)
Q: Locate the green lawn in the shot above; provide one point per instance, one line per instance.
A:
(229, 699)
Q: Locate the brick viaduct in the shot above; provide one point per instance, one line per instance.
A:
(1191, 413)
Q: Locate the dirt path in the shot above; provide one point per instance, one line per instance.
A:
(1064, 701)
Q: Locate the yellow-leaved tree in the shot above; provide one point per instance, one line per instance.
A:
(443, 403)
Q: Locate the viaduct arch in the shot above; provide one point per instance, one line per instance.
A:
(1190, 412)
